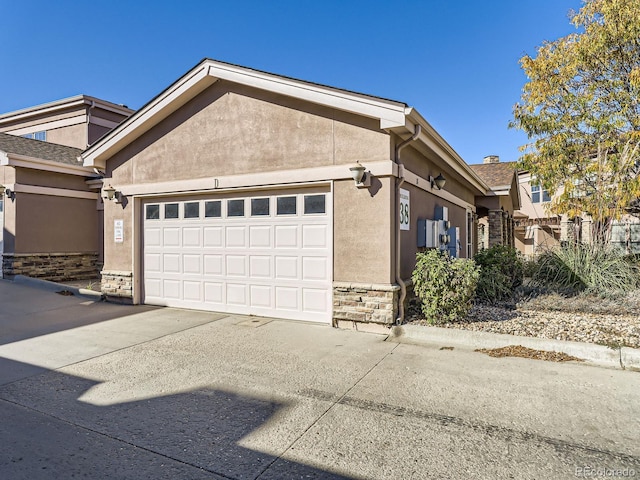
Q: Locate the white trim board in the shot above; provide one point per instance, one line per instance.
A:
(24, 161)
(258, 180)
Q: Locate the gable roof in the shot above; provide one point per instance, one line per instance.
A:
(25, 114)
(496, 175)
(26, 152)
(392, 115)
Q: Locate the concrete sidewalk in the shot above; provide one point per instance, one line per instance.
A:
(169, 393)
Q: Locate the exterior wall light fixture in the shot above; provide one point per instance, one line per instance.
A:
(8, 192)
(359, 174)
(110, 193)
(438, 182)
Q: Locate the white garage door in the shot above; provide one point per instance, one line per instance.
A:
(267, 255)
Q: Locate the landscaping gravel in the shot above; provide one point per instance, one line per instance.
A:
(600, 328)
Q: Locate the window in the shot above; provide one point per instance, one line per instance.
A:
(37, 136)
(314, 204)
(213, 209)
(192, 210)
(536, 190)
(235, 208)
(535, 193)
(259, 206)
(286, 206)
(171, 210)
(152, 212)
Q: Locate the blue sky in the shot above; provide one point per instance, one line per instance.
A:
(456, 62)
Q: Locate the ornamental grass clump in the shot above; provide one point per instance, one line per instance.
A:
(445, 286)
(501, 272)
(577, 267)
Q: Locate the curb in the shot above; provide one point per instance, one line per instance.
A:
(56, 287)
(624, 357)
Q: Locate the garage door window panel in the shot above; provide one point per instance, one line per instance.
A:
(259, 207)
(314, 204)
(286, 206)
(171, 211)
(235, 208)
(192, 210)
(152, 212)
(213, 209)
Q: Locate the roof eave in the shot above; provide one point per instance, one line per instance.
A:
(390, 113)
(25, 161)
(430, 137)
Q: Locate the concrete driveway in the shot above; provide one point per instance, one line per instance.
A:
(94, 390)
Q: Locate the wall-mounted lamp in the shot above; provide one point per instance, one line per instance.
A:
(359, 174)
(8, 192)
(438, 182)
(110, 193)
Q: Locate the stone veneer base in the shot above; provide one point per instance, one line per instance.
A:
(55, 267)
(117, 286)
(364, 303)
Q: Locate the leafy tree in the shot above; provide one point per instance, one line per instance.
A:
(581, 111)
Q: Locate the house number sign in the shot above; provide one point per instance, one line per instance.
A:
(118, 231)
(404, 210)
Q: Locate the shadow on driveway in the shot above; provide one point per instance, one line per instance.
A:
(193, 435)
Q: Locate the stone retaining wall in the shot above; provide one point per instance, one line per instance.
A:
(56, 267)
(365, 303)
(117, 285)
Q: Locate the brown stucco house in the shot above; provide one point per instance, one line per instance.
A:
(233, 190)
(50, 207)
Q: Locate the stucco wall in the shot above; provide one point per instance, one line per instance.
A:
(363, 237)
(231, 129)
(426, 164)
(422, 206)
(530, 209)
(46, 224)
(72, 136)
(29, 176)
(8, 177)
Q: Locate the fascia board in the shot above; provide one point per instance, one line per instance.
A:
(430, 137)
(390, 114)
(179, 93)
(41, 109)
(25, 161)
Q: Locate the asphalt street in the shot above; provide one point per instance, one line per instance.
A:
(102, 391)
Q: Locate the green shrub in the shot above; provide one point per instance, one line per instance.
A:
(501, 272)
(445, 286)
(592, 268)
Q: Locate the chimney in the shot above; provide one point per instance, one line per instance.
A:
(491, 159)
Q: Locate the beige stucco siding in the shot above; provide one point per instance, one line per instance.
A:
(363, 237)
(48, 224)
(28, 176)
(428, 165)
(423, 205)
(231, 130)
(72, 136)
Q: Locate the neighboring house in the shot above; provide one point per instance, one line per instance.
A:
(76, 121)
(498, 209)
(50, 210)
(232, 191)
(537, 229)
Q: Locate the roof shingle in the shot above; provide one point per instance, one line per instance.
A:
(496, 174)
(28, 147)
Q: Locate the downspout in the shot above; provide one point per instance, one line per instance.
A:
(93, 104)
(399, 280)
